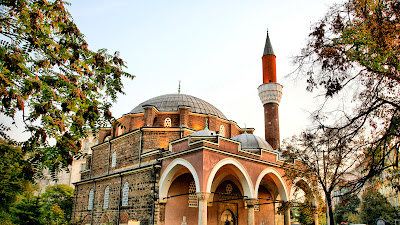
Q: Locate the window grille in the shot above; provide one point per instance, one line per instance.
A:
(192, 197)
(222, 130)
(125, 194)
(229, 188)
(91, 197)
(257, 206)
(167, 122)
(106, 197)
(114, 159)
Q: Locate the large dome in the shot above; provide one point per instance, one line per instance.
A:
(170, 103)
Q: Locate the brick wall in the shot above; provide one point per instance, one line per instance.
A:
(140, 200)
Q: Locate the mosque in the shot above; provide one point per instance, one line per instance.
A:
(176, 159)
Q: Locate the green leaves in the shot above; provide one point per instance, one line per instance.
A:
(48, 73)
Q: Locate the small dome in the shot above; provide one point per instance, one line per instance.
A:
(250, 141)
(204, 133)
(170, 103)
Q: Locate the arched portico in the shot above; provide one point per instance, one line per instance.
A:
(271, 179)
(175, 182)
(230, 171)
(304, 185)
(169, 173)
(239, 170)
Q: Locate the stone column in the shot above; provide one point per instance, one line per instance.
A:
(161, 212)
(250, 210)
(286, 216)
(202, 196)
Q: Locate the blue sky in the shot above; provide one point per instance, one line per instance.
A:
(213, 47)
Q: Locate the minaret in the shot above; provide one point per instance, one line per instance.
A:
(270, 93)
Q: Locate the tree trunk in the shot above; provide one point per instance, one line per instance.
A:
(329, 210)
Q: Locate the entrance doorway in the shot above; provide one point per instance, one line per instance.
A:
(227, 218)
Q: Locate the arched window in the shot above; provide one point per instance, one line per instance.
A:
(114, 159)
(167, 122)
(86, 145)
(192, 197)
(125, 194)
(91, 197)
(222, 130)
(106, 197)
(96, 142)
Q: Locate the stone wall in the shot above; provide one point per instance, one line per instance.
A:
(140, 198)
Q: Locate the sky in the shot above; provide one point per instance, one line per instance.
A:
(214, 47)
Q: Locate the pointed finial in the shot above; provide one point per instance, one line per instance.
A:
(245, 129)
(206, 124)
(268, 46)
(179, 87)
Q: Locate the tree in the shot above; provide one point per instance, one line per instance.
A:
(58, 200)
(374, 205)
(354, 47)
(48, 74)
(323, 158)
(346, 209)
(15, 174)
(27, 208)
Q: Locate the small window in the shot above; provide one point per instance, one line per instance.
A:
(106, 197)
(91, 197)
(86, 145)
(229, 188)
(167, 122)
(96, 142)
(125, 194)
(114, 159)
(222, 130)
(192, 197)
(83, 166)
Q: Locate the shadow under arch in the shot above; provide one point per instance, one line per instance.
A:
(167, 177)
(239, 170)
(305, 186)
(279, 182)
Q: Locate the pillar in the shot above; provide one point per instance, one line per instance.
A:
(286, 216)
(161, 212)
(203, 197)
(150, 113)
(250, 202)
(184, 116)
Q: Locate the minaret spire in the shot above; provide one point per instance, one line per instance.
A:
(270, 93)
(268, 50)
(269, 62)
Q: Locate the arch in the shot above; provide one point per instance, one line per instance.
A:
(170, 171)
(279, 182)
(241, 173)
(307, 185)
